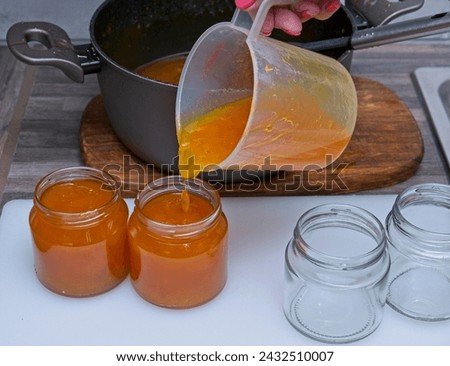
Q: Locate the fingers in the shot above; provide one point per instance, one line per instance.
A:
(306, 10)
(244, 4)
(251, 6)
(327, 8)
(284, 19)
(248, 5)
(269, 23)
(287, 21)
(318, 9)
(277, 17)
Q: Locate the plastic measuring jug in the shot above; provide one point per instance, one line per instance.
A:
(302, 106)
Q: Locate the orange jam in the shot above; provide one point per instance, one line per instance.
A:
(167, 70)
(297, 133)
(78, 224)
(208, 140)
(278, 134)
(178, 254)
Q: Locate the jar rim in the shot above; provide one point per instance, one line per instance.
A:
(176, 183)
(427, 193)
(71, 174)
(343, 216)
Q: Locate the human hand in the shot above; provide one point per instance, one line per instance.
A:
(290, 18)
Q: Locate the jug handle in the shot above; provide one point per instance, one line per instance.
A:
(243, 20)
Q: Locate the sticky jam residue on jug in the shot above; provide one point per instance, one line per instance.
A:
(166, 70)
(294, 131)
(210, 139)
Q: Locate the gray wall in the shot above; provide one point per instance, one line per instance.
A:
(74, 15)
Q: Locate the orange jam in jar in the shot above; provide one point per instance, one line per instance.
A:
(178, 243)
(79, 229)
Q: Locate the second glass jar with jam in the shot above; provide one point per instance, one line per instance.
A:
(178, 243)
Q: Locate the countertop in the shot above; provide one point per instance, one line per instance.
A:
(41, 109)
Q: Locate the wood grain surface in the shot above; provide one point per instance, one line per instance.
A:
(50, 127)
(386, 148)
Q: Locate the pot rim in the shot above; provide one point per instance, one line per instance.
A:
(144, 79)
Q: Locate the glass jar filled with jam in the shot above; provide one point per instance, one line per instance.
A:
(178, 243)
(78, 223)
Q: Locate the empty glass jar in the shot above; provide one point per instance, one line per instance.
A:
(336, 274)
(418, 233)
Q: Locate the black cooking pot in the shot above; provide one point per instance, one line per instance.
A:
(126, 34)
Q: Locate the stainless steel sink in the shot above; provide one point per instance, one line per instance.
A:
(434, 84)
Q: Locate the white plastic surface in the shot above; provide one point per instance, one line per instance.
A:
(247, 312)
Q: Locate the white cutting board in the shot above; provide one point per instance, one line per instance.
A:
(247, 312)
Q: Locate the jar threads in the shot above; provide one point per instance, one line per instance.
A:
(418, 233)
(336, 274)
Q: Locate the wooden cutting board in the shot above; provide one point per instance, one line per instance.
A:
(386, 148)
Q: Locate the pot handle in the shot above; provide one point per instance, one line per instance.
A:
(57, 50)
(383, 11)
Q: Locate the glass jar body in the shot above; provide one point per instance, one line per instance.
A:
(178, 266)
(79, 253)
(333, 297)
(418, 233)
